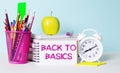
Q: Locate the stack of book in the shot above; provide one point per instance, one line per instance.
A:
(59, 49)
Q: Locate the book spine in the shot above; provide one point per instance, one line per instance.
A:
(36, 51)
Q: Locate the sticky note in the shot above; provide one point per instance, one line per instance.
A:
(91, 63)
(22, 9)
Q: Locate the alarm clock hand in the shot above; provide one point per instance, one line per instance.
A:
(93, 47)
(85, 51)
(90, 49)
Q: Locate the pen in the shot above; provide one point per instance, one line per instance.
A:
(17, 21)
(6, 28)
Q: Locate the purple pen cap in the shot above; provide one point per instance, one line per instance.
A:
(69, 33)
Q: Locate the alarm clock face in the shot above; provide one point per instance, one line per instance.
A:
(90, 49)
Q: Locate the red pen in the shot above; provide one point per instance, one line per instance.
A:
(6, 28)
(17, 20)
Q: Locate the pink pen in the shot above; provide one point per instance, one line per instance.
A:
(32, 21)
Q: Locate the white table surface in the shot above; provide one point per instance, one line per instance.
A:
(112, 66)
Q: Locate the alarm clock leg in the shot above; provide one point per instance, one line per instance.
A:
(81, 60)
(98, 60)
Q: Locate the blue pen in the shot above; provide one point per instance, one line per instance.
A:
(14, 22)
(26, 28)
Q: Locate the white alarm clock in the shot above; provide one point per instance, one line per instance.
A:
(90, 47)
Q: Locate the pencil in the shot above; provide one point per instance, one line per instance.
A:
(15, 36)
(7, 20)
(32, 21)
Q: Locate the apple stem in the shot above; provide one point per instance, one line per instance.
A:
(51, 13)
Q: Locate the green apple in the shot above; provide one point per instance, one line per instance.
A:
(50, 25)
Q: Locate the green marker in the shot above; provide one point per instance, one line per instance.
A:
(22, 10)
